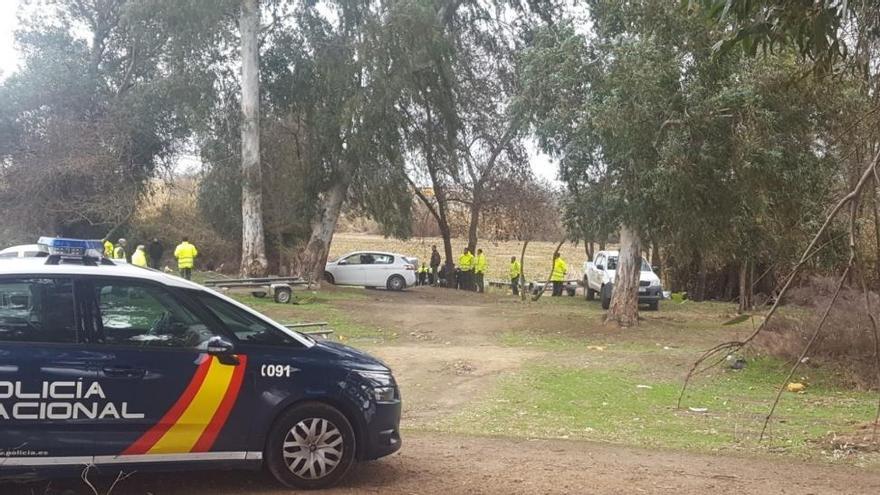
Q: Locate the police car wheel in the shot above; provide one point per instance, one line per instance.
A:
(310, 446)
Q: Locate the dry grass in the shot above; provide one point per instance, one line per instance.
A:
(537, 260)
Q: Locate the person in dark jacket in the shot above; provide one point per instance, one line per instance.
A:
(154, 253)
(435, 264)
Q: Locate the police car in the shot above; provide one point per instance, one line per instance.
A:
(125, 368)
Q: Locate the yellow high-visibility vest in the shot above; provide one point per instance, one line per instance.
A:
(481, 264)
(515, 270)
(139, 258)
(466, 262)
(186, 254)
(559, 269)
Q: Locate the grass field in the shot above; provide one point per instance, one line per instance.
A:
(537, 260)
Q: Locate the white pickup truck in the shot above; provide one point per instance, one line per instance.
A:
(599, 279)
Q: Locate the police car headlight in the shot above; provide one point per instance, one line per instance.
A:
(383, 386)
(655, 283)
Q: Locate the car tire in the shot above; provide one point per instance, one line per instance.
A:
(293, 454)
(572, 291)
(589, 293)
(654, 306)
(606, 296)
(396, 283)
(283, 295)
(328, 277)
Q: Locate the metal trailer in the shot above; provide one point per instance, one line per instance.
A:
(280, 288)
(323, 331)
(568, 286)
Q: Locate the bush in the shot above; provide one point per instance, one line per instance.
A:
(846, 343)
(170, 213)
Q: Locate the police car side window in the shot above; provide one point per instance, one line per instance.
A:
(37, 310)
(246, 327)
(145, 315)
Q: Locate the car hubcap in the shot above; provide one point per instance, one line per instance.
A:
(313, 448)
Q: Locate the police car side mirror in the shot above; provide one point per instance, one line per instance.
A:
(223, 349)
(600, 267)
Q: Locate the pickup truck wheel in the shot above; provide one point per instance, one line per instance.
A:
(589, 293)
(606, 296)
(654, 306)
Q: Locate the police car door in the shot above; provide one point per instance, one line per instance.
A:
(172, 398)
(47, 391)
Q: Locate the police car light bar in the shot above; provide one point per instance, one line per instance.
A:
(72, 249)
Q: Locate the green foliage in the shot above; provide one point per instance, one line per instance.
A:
(98, 107)
(715, 157)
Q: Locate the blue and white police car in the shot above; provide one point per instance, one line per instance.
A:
(122, 367)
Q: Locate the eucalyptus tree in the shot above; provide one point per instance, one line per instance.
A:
(99, 105)
(454, 66)
(253, 247)
(600, 104)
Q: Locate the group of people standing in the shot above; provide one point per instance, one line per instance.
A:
(471, 272)
(151, 255)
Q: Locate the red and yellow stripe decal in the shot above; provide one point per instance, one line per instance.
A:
(194, 421)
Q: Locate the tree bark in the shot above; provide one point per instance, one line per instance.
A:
(314, 257)
(475, 208)
(745, 287)
(253, 243)
(624, 309)
(522, 271)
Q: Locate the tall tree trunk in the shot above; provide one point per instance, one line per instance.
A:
(624, 309)
(745, 287)
(314, 257)
(253, 243)
(474, 223)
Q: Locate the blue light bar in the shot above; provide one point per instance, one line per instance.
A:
(72, 248)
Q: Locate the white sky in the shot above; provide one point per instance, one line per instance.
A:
(542, 165)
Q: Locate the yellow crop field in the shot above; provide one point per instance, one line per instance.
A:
(537, 260)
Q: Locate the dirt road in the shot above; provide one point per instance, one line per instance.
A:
(442, 464)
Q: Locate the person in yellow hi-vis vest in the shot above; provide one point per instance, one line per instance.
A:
(186, 256)
(119, 250)
(139, 257)
(480, 267)
(465, 270)
(108, 248)
(558, 274)
(514, 272)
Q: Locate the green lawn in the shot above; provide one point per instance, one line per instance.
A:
(625, 405)
(316, 306)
